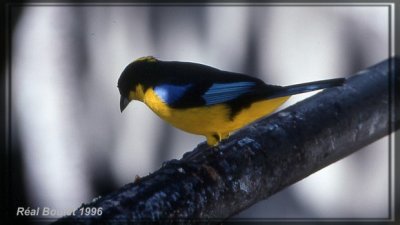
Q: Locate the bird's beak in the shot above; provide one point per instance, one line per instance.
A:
(123, 103)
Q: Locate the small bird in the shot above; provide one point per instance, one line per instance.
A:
(203, 100)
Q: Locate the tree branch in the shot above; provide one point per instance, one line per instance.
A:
(259, 160)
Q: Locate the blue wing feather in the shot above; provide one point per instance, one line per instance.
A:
(216, 94)
(171, 93)
(223, 92)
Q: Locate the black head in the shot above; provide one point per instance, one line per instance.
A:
(136, 73)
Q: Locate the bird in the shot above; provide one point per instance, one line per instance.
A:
(204, 100)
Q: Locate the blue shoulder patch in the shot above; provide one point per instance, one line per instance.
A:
(171, 93)
(223, 92)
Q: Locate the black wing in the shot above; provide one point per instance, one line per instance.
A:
(184, 85)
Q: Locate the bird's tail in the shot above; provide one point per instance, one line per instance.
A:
(306, 87)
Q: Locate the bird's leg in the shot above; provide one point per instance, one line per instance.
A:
(213, 139)
(224, 136)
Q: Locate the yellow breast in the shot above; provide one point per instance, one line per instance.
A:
(211, 121)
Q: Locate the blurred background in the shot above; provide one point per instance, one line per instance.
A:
(70, 143)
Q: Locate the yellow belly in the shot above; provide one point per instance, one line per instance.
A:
(210, 121)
